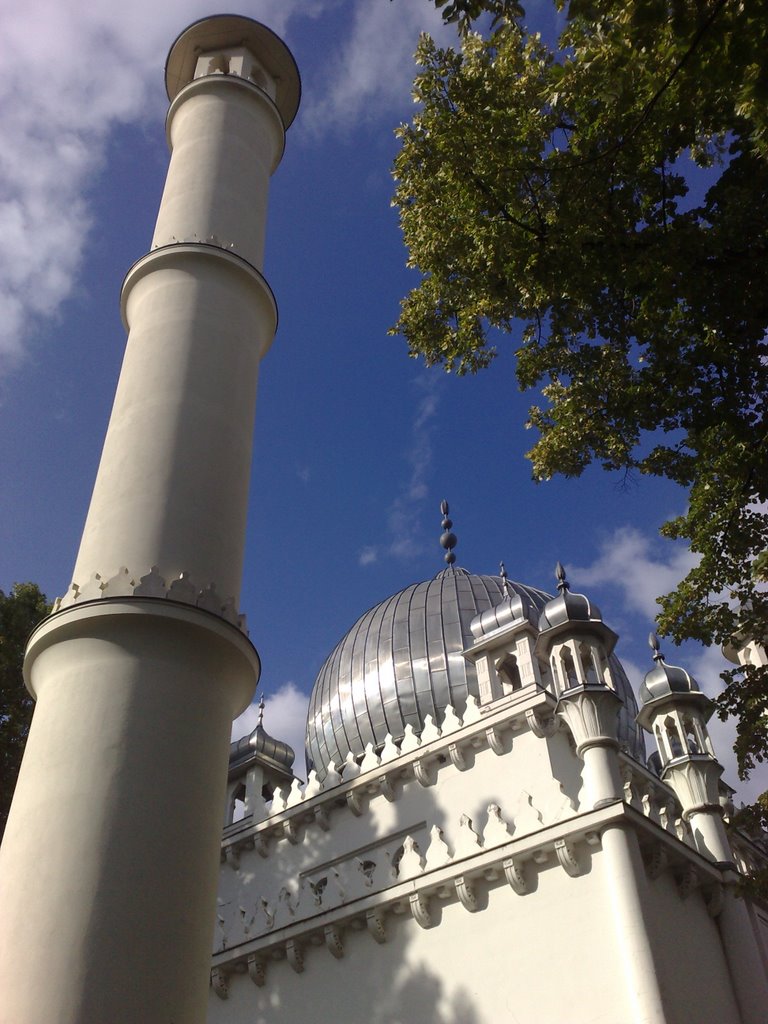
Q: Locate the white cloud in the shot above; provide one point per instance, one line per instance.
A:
(368, 555)
(374, 72)
(631, 562)
(405, 516)
(71, 71)
(285, 718)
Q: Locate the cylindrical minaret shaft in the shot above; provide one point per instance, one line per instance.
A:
(109, 864)
(173, 481)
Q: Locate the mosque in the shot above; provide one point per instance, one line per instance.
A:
(492, 828)
(481, 837)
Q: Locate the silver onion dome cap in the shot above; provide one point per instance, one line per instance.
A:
(664, 680)
(667, 685)
(568, 607)
(259, 742)
(515, 607)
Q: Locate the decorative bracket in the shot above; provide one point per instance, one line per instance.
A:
(322, 818)
(466, 893)
(513, 872)
(457, 756)
(374, 920)
(386, 787)
(566, 855)
(333, 941)
(494, 735)
(540, 726)
(422, 772)
(261, 845)
(295, 955)
(257, 970)
(289, 831)
(354, 802)
(232, 857)
(686, 881)
(657, 862)
(420, 910)
(219, 983)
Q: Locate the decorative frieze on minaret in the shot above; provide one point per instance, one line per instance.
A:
(142, 667)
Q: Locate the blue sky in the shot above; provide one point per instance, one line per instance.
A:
(356, 444)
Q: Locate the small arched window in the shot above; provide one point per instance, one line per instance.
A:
(236, 806)
(674, 742)
(509, 674)
(218, 65)
(569, 669)
(589, 664)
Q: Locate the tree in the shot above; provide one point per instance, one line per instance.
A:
(610, 195)
(20, 612)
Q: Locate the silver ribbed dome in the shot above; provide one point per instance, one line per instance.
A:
(402, 661)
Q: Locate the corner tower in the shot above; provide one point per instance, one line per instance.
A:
(144, 663)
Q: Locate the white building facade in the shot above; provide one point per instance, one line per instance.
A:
(509, 859)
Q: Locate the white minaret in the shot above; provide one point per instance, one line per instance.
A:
(108, 869)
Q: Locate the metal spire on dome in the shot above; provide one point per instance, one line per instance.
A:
(653, 643)
(508, 592)
(448, 539)
(261, 712)
(562, 582)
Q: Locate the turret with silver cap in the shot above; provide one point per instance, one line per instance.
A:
(578, 644)
(675, 711)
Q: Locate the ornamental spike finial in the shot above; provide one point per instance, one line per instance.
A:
(562, 582)
(653, 643)
(448, 539)
(261, 712)
(504, 580)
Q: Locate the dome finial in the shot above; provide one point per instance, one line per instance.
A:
(448, 539)
(505, 580)
(261, 712)
(653, 643)
(562, 582)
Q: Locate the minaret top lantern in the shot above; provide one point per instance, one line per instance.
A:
(231, 44)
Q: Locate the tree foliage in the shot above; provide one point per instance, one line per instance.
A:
(610, 194)
(20, 611)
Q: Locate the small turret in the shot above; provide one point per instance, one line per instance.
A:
(577, 644)
(503, 650)
(258, 765)
(576, 639)
(676, 712)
